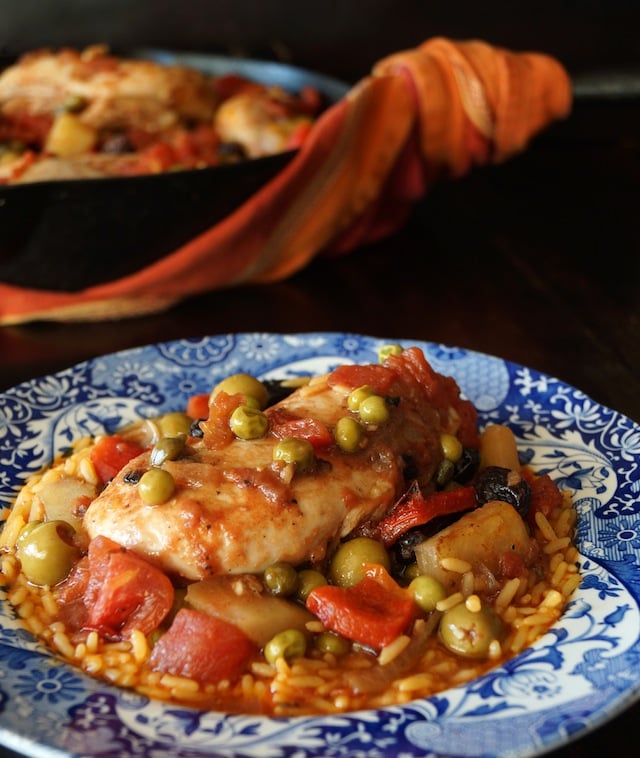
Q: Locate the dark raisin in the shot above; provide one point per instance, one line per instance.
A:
(497, 483)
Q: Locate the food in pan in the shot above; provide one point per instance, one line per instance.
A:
(86, 114)
(350, 543)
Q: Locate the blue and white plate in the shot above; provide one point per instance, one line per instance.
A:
(584, 671)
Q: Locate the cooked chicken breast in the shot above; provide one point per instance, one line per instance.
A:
(235, 510)
(107, 92)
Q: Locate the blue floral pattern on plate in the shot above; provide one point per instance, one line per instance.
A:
(585, 670)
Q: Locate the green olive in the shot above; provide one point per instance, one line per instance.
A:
(248, 423)
(427, 592)
(374, 410)
(294, 450)
(451, 447)
(330, 642)
(308, 581)
(74, 103)
(386, 350)
(469, 633)
(358, 395)
(289, 644)
(175, 424)
(281, 579)
(167, 449)
(243, 384)
(349, 560)
(348, 434)
(46, 551)
(156, 486)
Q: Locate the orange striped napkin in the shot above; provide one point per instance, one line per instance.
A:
(423, 114)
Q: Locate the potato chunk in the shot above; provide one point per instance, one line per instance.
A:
(480, 538)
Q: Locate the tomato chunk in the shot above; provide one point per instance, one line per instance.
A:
(414, 509)
(373, 612)
(545, 495)
(111, 453)
(202, 647)
(124, 591)
(283, 424)
(198, 406)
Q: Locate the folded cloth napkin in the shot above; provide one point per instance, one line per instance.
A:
(424, 114)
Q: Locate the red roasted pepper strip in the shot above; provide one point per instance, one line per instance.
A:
(414, 509)
(371, 612)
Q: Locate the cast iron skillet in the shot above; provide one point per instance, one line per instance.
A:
(68, 235)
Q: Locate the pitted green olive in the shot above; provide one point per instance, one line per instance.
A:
(294, 450)
(243, 384)
(386, 350)
(167, 449)
(349, 560)
(175, 424)
(156, 486)
(348, 434)
(46, 551)
(374, 410)
(469, 633)
(358, 395)
(248, 423)
(289, 644)
(281, 579)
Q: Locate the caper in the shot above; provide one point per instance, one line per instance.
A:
(451, 447)
(374, 410)
(427, 592)
(294, 450)
(386, 350)
(156, 486)
(281, 579)
(243, 384)
(358, 395)
(445, 472)
(349, 560)
(46, 551)
(330, 642)
(74, 103)
(289, 644)
(175, 424)
(308, 581)
(469, 633)
(167, 449)
(348, 434)
(248, 423)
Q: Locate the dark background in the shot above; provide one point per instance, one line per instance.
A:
(340, 38)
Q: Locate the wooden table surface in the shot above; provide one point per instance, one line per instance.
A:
(536, 261)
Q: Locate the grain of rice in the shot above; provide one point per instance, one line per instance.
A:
(92, 641)
(171, 681)
(19, 595)
(63, 644)
(553, 599)
(495, 650)
(314, 626)
(391, 651)
(507, 593)
(556, 545)
(139, 646)
(25, 609)
(262, 668)
(306, 681)
(49, 604)
(449, 602)
(538, 619)
(467, 583)
(544, 526)
(415, 682)
(559, 574)
(457, 565)
(88, 471)
(570, 584)
(519, 639)
(473, 603)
